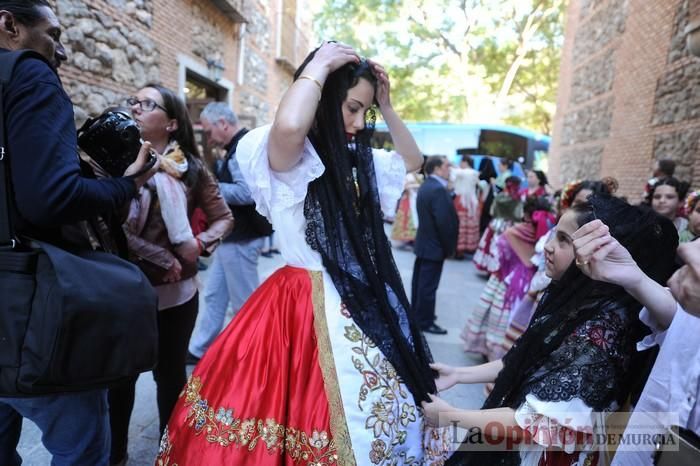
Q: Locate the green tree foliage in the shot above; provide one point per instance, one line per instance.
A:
(459, 60)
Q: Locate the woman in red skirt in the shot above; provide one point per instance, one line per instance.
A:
(322, 365)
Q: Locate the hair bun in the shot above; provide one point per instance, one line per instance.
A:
(611, 183)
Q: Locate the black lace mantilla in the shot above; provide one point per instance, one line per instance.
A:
(349, 236)
(590, 364)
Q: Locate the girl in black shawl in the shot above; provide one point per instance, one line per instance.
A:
(572, 363)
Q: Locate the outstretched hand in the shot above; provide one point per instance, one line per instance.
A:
(437, 412)
(447, 376)
(602, 257)
(383, 86)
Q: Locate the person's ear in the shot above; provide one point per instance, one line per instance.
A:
(172, 126)
(8, 24)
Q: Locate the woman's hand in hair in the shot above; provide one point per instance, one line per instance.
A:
(329, 57)
(383, 96)
(404, 142)
(603, 258)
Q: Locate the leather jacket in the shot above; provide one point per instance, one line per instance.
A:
(151, 248)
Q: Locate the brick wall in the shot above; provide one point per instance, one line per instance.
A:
(629, 93)
(117, 46)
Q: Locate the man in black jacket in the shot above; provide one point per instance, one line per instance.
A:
(436, 239)
(49, 193)
(233, 275)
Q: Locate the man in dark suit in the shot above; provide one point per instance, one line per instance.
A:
(436, 239)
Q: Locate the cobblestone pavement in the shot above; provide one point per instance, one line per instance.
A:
(459, 291)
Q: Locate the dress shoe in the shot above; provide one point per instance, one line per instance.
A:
(191, 359)
(435, 329)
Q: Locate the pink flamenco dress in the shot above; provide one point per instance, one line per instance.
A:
(293, 380)
(485, 331)
(507, 208)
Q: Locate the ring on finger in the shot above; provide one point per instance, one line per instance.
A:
(584, 262)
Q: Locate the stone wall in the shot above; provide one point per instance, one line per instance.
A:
(581, 164)
(678, 50)
(606, 24)
(589, 123)
(255, 73)
(594, 79)
(111, 51)
(207, 38)
(251, 104)
(677, 96)
(117, 46)
(629, 93)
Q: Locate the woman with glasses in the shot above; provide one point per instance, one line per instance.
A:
(322, 365)
(162, 244)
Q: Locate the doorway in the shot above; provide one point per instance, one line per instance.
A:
(199, 91)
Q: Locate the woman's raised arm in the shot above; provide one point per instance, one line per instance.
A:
(402, 138)
(297, 109)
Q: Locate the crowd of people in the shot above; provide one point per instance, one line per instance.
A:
(326, 362)
(573, 302)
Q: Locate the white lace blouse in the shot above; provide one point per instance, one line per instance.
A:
(279, 196)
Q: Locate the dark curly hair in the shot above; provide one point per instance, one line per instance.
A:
(681, 188)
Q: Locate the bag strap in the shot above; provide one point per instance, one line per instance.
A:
(8, 60)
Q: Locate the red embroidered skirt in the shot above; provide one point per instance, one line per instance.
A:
(257, 397)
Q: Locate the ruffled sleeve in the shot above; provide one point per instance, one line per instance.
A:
(271, 189)
(390, 169)
(559, 424)
(658, 333)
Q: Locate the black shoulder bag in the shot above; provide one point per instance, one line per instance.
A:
(69, 320)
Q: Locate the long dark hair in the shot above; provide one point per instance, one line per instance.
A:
(345, 225)
(184, 135)
(486, 169)
(25, 11)
(651, 240)
(541, 177)
(681, 188)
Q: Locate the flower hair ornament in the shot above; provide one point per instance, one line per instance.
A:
(567, 193)
(691, 201)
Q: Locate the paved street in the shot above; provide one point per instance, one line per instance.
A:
(458, 293)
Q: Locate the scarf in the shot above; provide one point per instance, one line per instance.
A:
(172, 193)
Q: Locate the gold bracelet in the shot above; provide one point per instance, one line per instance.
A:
(312, 79)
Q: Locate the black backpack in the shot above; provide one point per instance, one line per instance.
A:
(69, 320)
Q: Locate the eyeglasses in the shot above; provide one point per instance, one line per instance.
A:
(146, 105)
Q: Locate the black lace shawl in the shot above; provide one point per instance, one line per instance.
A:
(582, 335)
(347, 229)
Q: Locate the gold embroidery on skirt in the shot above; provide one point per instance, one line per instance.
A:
(220, 426)
(339, 426)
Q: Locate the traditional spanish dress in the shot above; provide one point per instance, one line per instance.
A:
(293, 380)
(406, 219)
(486, 327)
(466, 204)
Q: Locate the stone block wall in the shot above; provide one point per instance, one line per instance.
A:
(115, 47)
(629, 93)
